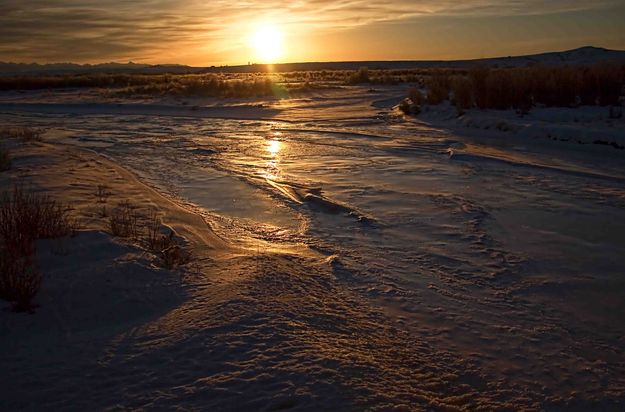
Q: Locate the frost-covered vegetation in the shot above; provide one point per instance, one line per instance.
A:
(200, 85)
(215, 84)
(482, 87)
(218, 83)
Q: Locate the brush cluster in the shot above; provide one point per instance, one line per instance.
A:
(523, 88)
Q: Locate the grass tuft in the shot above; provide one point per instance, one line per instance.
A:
(165, 247)
(123, 220)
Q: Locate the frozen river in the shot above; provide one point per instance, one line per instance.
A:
(498, 263)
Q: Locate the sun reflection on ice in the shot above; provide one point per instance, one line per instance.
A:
(274, 147)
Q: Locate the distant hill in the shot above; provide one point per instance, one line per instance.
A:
(582, 56)
(16, 69)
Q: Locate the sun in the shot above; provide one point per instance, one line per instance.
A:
(267, 42)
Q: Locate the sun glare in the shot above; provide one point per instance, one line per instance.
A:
(267, 42)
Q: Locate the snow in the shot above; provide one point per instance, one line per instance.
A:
(581, 125)
(491, 278)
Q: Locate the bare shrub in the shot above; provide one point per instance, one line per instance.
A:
(123, 220)
(359, 76)
(26, 134)
(438, 88)
(499, 93)
(102, 193)
(553, 86)
(521, 88)
(153, 228)
(611, 80)
(478, 77)
(165, 247)
(414, 94)
(24, 218)
(412, 105)
(5, 158)
(170, 252)
(20, 279)
(461, 89)
(406, 106)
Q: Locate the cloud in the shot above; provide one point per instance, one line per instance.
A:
(162, 30)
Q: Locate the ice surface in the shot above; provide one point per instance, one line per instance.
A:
(489, 278)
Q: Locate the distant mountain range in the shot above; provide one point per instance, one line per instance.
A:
(581, 56)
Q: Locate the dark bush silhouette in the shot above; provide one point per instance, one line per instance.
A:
(5, 158)
(439, 86)
(25, 217)
(360, 76)
(461, 89)
(412, 105)
(415, 96)
(165, 247)
(522, 88)
(20, 279)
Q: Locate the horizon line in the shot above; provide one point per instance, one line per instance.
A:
(131, 62)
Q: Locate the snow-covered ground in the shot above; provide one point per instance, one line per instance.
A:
(586, 125)
(354, 259)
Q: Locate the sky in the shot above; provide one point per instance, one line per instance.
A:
(219, 32)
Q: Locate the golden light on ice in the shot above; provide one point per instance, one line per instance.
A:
(267, 42)
(273, 147)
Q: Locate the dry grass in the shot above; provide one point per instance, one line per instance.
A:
(207, 86)
(25, 217)
(187, 85)
(123, 221)
(153, 229)
(263, 83)
(165, 247)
